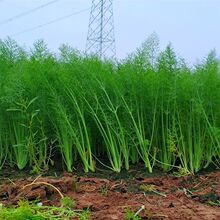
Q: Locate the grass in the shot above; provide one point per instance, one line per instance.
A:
(37, 211)
(150, 108)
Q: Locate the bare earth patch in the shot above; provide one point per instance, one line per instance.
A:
(165, 197)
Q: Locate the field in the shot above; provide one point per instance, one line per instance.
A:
(73, 112)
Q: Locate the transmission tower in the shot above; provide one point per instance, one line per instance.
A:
(101, 37)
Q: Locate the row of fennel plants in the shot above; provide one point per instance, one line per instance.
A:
(150, 108)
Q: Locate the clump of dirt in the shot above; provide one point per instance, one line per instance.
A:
(165, 197)
(43, 188)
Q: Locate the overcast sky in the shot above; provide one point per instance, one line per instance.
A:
(192, 26)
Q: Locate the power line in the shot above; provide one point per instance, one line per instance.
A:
(50, 22)
(27, 12)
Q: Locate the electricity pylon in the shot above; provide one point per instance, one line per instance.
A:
(101, 37)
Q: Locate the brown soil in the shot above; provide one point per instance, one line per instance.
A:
(165, 197)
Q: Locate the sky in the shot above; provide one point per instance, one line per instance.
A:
(191, 26)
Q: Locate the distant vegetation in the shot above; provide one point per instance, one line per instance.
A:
(150, 108)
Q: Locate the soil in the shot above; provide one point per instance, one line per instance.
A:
(164, 196)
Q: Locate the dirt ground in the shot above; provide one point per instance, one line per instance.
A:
(164, 197)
